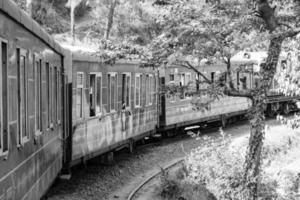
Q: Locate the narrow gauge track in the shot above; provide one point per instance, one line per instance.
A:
(134, 194)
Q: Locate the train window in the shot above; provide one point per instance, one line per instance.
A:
(126, 88)
(108, 91)
(38, 95)
(51, 97)
(147, 89)
(31, 97)
(212, 75)
(54, 94)
(113, 91)
(79, 96)
(99, 93)
(3, 100)
(59, 101)
(171, 77)
(138, 90)
(93, 94)
(182, 79)
(151, 89)
(238, 80)
(188, 78)
(48, 94)
(22, 96)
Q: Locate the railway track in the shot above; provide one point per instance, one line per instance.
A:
(135, 193)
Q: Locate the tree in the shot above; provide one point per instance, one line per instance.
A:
(185, 29)
(194, 30)
(110, 17)
(72, 4)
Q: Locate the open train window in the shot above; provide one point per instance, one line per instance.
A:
(147, 89)
(171, 77)
(151, 89)
(23, 135)
(59, 100)
(138, 87)
(95, 93)
(48, 94)
(238, 80)
(92, 95)
(79, 94)
(212, 75)
(54, 94)
(188, 78)
(112, 91)
(4, 140)
(182, 79)
(31, 97)
(126, 90)
(38, 95)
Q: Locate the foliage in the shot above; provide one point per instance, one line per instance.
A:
(176, 187)
(218, 165)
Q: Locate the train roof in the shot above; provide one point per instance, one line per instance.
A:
(86, 56)
(12, 10)
(252, 57)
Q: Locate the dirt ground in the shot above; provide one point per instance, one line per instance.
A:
(116, 181)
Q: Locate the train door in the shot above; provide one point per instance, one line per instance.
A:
(126, 87)
(67, 137)
(162, 102)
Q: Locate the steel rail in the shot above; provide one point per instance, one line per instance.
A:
(154, 175)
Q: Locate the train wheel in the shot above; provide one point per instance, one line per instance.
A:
(286, 109)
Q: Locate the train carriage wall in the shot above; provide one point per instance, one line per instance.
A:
(30, 150)
(113, 123)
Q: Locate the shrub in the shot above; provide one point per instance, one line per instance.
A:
(177, 187)
(219, 165)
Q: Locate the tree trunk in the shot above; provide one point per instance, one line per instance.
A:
(72, 21)
(29, 7)
(257, 121)
(110, 18)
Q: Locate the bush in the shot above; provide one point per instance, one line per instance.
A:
(176, 187)
(219, 165)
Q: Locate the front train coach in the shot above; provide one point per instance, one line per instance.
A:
(31, 106)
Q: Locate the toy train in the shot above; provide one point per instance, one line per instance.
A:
(59, 108)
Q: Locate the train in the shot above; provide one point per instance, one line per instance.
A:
(59, 108)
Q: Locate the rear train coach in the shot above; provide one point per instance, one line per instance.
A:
(113, 105)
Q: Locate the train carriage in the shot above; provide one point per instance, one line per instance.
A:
(248, 64)
(178, 110)
(31, 106)
(113, 105)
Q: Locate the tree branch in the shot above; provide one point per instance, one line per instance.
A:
(189, 66)
(286, 34)
(237, 93)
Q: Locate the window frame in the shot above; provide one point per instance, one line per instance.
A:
(188, 78)
(127, 75)
(113, 74)
(172, 75)
(22, 53)
(54, 97)
(59, 89)
(81, 86)
(2, 152)
(97, 75)
(38, 58)
(48, 95)
(137, 75)
(151, 89)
